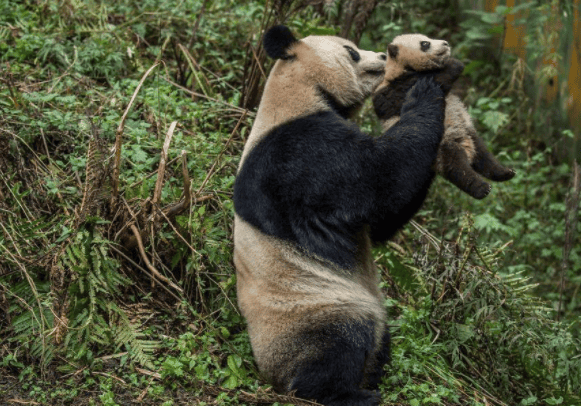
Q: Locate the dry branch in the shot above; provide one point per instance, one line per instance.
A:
(162, 162)
(145, 271)
(151, 268)
(180, 207)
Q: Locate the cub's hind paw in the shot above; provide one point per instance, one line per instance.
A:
(481, 191)
(503, 175)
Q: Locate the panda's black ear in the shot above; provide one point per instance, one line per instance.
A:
(277, 42)
(392, 50)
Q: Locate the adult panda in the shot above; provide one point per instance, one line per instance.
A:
(311, 196)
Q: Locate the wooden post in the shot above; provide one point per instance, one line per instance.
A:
(573, 100)
(514, 34)
(554, 27)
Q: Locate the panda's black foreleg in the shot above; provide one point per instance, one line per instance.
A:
(334, 377)
(402, 167)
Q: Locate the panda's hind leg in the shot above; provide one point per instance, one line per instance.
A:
(486, 164)
(453, 164)
(334, 376)
(382, 358)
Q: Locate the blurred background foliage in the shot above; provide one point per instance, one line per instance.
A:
(121, 127)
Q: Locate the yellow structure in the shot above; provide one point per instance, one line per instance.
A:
(573, 100)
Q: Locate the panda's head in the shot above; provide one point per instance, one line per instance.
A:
(438, 49)
(321, 71)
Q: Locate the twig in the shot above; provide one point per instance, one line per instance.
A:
(185, 203)
(148, 176)
(154, 271)
(258, 63)
(148, 373)
(430, 237)
(211, 171)
(142, 269)
(236, 108)
(162, 163)
(119, 134)
(133, 217)
(195, 66)
(111, 376)
(181, 237)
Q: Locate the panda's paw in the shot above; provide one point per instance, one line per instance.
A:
(480, 191)
(360, 398)
(502, 174)
(424, 93)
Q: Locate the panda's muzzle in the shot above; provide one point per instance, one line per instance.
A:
(375, 72)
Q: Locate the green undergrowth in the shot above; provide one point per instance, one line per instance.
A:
(119, 288)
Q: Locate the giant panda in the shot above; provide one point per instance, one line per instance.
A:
(312, 194)
(463, 156)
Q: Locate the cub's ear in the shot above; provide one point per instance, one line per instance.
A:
(392, 50)
(277, 41)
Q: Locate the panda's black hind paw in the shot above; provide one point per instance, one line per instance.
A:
(361, 398)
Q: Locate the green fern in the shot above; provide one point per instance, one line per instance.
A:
(30, 324)
(96, 321)
(127, 334)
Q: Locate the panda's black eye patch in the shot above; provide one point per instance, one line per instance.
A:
(425, 45)
(353, 53)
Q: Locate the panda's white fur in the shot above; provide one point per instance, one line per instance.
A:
(308, 200)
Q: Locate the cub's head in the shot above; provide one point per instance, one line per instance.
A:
(436, 50)
(319, 72)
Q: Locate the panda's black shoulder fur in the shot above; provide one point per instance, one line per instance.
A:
(389, 100)
(317, 181)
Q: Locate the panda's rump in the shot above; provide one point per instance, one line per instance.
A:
(290, 301)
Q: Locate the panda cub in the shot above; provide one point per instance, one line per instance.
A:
(462, 157)
(311, 195)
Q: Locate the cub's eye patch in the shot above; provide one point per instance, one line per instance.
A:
(425, 45)
(353, 53)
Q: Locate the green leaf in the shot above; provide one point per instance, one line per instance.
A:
(231, 382)
(234, 362)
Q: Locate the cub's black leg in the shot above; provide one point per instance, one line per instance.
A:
(334, 374)
(383, 357)
(457, 169)
(487, 165)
